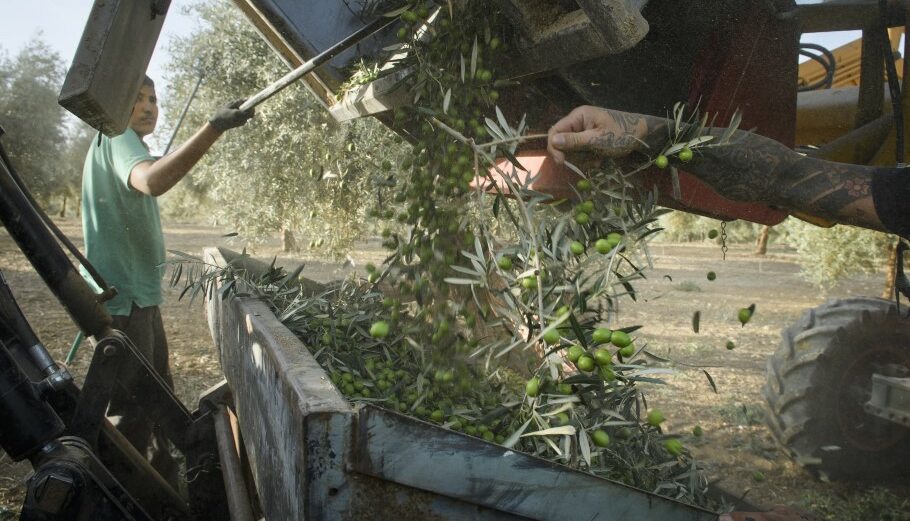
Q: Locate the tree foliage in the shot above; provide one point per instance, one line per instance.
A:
(686, 227)
(292, 166)
(827, 255)
(35, 136)
(80, 137)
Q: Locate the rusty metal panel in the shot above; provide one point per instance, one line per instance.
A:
(556, 35)
(335, 491)
(376, 97)
(280, 393)
(107, 71)
(381, 500)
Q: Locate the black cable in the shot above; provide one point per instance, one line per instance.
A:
(53, 227)
(826, 59)
(893, 84)
(823, 83)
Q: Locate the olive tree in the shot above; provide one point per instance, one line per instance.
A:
(33, 121)
(69, 187)
(292, 167)
(827, 255)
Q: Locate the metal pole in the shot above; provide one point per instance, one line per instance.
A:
(318, 60)
(234, 485)
(183, 114)
(71, 355)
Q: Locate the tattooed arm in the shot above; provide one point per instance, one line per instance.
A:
(608, 132)
(755, 168)
(750, 168)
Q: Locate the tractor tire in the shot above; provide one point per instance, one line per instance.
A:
(820, 378)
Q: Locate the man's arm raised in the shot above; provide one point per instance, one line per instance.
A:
(157, 177)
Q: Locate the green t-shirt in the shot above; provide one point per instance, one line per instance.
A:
(121, 225)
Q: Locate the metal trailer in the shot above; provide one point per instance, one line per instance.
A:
(314, 456)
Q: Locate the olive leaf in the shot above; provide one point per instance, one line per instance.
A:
(474, 58)
(565, 430)
(515, 436)
(585, 446)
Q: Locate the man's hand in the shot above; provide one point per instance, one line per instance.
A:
(229, 116)
(610, 133)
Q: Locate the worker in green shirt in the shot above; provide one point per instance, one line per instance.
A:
(123, 240)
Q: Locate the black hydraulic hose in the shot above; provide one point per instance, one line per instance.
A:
(823, 83)
(13, 318)
(893, 85)
(27, 423)
(33, 237)
(108, 291)
(826, 60)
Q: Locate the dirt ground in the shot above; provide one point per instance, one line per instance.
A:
(736, 448)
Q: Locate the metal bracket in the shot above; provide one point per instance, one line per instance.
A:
(114, 355)
(890, 399)
(71, 483)
(597, 28)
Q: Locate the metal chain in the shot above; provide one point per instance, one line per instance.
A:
(723, 238)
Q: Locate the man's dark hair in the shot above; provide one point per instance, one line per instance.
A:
(148, 81)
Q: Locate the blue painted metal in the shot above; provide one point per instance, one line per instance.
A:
(411, 452)
(315, 25)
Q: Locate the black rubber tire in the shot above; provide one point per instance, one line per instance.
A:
(819, 379)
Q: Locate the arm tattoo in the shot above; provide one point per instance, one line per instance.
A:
(757, 169)
(633, 132)
(752, 168)
(749, 168)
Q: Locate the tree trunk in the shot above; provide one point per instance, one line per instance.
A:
(892, 272)
(288, 242)
(761, 245)
(63, 207)
(78, 207)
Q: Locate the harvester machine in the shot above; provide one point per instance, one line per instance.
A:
(277, 440)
